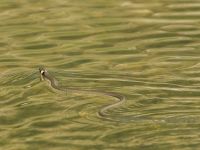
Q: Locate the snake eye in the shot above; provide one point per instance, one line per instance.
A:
(42, 72)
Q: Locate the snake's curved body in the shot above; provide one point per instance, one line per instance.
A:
(120, 98)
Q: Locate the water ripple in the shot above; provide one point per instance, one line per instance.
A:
(146, 50)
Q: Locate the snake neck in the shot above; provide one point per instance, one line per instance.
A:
(51, 79)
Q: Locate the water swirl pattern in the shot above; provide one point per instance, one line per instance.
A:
(146, 50)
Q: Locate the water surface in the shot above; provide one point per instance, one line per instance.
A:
(146, 50)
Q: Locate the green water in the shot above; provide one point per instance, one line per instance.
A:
(146, 50)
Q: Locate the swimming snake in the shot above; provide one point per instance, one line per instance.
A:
(44, 75)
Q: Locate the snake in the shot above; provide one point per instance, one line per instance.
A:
(120, 99)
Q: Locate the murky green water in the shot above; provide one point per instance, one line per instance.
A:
(149, 51)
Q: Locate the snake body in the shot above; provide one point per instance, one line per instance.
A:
(44, 74)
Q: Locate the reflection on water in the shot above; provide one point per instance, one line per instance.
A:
(146, 50)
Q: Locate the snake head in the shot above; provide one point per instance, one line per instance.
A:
(42, 71)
